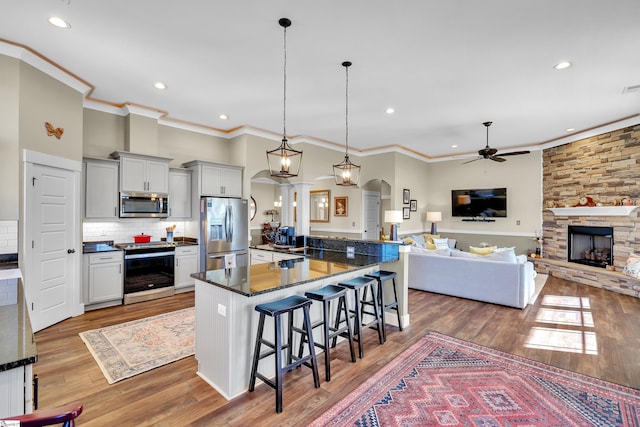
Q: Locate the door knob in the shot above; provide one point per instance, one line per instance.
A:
(71, 251)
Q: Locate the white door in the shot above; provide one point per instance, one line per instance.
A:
(371, 220)
(50, 195)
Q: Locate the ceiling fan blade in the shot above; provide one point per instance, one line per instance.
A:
(472, 160)
(497, 159)
(515, 153)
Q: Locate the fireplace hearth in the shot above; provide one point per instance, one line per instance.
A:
(590, 245)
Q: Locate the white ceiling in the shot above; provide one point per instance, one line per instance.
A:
(444, 66)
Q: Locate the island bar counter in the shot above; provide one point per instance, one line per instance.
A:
(226, 322)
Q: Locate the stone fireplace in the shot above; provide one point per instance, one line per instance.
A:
(590, 245)
(607, 169)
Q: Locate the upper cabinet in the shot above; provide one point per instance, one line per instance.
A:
(101, 189)
(143, 174)
(179, 193)
(217, 180)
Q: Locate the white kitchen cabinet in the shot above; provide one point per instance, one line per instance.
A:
(179, 193)
(279, 256)
(143, 174)
(103, 274)
(185, 263)
(101, 188)
(217, 180)
(260, 257)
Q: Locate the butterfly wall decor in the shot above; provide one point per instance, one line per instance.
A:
(57, 132)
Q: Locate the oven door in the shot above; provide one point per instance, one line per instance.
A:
(146, 271)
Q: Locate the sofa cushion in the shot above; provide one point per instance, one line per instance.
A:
(482, 251)
(457, 253)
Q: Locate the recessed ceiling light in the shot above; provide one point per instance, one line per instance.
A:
(59, 22)
(223, 117)
(160, 85)
(454, 146)
(563, 65)
(390, 110)
(570, 129)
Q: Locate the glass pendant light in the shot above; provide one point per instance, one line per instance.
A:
(284, 161)
(345, 172)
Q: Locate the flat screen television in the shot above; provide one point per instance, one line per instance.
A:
(488, 202)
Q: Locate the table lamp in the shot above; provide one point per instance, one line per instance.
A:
(394, 218)
(434, 217)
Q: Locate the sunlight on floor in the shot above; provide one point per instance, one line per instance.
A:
(568, 311)
(562, 340)
(565, 317)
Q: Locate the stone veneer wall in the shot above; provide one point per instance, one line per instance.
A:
(607, 168)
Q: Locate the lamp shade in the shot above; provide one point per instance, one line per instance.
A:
(434, 216)
(393, 217)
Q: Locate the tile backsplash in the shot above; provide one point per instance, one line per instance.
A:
(123, 232)
(8, 237)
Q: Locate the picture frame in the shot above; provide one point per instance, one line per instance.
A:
(405, 196)
(340, 206)
(406, 213)
(413, 206)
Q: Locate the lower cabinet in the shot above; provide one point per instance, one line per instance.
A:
(259, 256)
(186, 263)
(103, 279)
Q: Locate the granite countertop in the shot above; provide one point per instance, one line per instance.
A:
(17, 342)
(313, 264)
(98, 246)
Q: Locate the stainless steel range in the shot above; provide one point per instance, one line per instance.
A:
(148, 270)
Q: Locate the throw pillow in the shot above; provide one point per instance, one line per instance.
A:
(431, 246)
(441, 243)
(632, 267)
(418, 239)
(504, 256)
(428, 238)
(482, 251)
(512, 248)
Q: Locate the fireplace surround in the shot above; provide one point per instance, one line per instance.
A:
(590, 245)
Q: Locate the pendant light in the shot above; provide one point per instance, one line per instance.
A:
(346, 173)
(284, 161)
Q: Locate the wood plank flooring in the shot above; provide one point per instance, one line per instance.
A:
(174, 395)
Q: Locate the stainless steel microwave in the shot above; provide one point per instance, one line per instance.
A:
(142, 205)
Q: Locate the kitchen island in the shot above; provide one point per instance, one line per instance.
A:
(226, 322)
(17, 346)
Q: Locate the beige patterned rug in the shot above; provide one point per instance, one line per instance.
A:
(131, 348)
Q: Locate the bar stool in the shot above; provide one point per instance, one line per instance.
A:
(326, 295)
(276, 309)
(356, 284)
(382, 276)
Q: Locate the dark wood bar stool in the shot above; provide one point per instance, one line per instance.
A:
(276, 309)
(382, 276)
(325, 296)
(356, 284)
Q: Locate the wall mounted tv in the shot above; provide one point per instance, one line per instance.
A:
(488, 202)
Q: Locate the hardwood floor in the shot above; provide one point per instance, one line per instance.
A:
(174, 395)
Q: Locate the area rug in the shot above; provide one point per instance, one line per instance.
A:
(443, 381)
(131, 348)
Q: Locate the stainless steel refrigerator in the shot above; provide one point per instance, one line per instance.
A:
(224, 233)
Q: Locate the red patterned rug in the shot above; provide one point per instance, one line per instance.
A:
(443, 381)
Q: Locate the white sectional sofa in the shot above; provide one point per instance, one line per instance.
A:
(473, 277)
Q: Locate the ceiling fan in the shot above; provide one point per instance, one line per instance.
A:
(490, 153)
